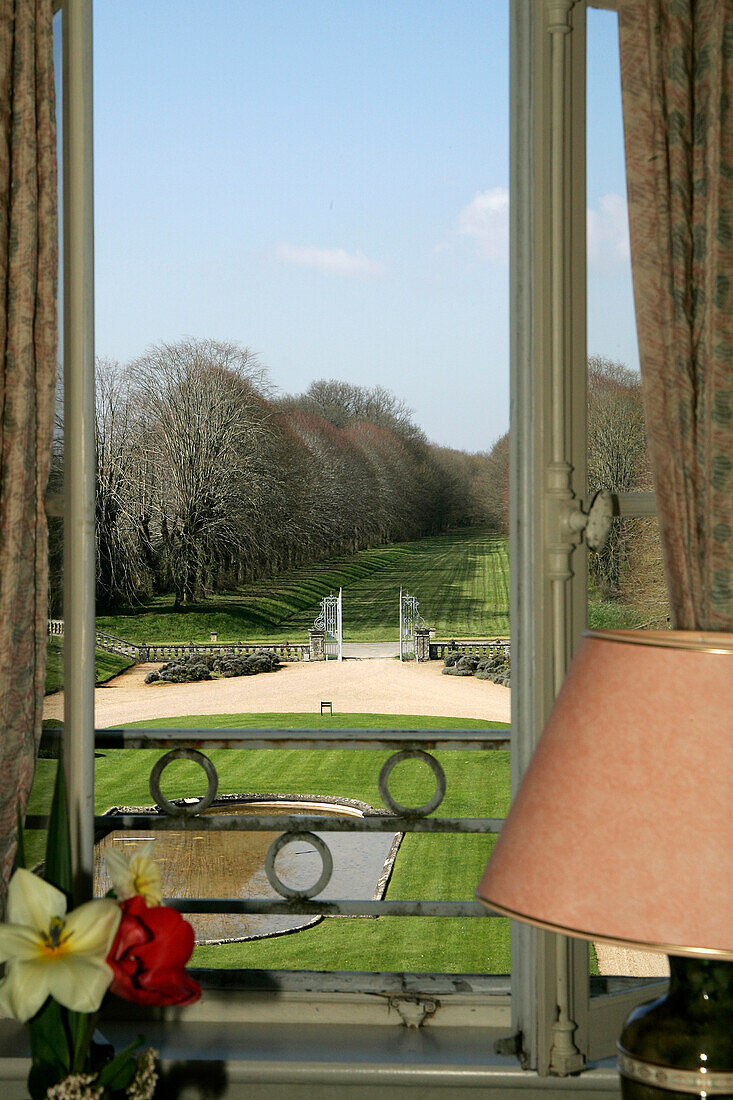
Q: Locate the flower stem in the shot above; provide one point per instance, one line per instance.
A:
(82, 1025)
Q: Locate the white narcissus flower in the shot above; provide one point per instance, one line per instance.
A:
(138, 875)
(50, 951)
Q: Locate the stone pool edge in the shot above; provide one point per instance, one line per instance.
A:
(365, 808)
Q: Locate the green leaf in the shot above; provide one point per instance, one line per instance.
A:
(48, 1037)
(118, 1073)
(20, 850)
(58, 847)
(41, 1077)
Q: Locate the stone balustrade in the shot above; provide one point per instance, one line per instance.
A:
(485, 647)
(166, 651)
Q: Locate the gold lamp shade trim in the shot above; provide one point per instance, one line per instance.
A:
(722, 954)
(699, 641)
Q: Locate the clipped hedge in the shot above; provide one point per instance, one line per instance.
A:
(195, 667)
(495, 668)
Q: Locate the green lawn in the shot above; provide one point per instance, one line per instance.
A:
(310, 720)
(439, 866)
(461, 580)
(106, 665)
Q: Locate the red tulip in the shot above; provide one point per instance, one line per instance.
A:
(149, 956)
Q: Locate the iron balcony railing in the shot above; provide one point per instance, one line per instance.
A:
(188, 814)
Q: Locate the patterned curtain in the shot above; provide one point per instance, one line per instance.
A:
(677, 81)
(28, 270)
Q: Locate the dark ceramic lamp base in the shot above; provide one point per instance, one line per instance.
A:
(681, 1045)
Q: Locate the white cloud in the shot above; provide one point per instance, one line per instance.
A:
(608, 233)
(332, 261)
(486, 219)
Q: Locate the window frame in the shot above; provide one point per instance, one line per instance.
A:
(548, 485)
(546, 970)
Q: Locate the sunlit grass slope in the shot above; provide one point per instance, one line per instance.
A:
(309, 720)
(106, 665)
(461, 580)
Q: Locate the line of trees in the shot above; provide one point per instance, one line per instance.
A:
(629, 568)
(628, 571)
(206, 480)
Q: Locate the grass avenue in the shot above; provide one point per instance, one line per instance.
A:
(461, 580)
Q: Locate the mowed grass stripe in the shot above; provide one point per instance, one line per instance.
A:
(459, 578)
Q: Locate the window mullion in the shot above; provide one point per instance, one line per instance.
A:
(548, 454)
(79, 457)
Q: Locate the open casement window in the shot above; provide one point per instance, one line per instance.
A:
(565, 1020)
(358, 1019)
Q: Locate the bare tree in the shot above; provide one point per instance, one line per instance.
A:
(207, 420)
(617, 458)
(342, 403)
(120, 568)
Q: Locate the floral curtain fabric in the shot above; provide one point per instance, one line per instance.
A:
(677, 82)
(28, 271)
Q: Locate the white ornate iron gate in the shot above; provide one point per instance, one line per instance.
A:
(410, 621)
(330, 621)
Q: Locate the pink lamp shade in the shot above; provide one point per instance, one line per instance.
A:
(622, 829)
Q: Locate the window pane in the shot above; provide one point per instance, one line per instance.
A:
(333, 233)
(627, 588)
(626, 582)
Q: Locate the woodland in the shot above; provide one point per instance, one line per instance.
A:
(207, 479)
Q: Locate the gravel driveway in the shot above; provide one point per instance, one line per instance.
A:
(379, 685)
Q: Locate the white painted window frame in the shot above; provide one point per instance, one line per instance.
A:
(548, 355)
(562, 1027)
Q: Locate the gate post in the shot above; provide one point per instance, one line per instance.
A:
(340, 624)
(317, 649)
(422, 644)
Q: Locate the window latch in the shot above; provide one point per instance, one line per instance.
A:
(414, 1011)
(596, 522)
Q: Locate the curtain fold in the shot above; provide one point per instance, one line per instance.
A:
(28, 273)
(677, 86)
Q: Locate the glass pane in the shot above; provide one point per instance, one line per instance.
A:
(626, 582)
(313, 472)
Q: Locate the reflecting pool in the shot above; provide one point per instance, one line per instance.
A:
(232, 865)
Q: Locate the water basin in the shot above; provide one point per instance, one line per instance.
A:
(232, 864)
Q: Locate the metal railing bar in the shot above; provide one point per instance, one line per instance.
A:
(380, 823)
(636, 505)
(297, 738)
(339, 908)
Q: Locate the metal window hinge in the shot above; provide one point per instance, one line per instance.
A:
(414, 1010)
(596, 522)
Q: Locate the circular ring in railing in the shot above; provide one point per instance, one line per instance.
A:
(326, 860)
(182, 810)
(412, 811)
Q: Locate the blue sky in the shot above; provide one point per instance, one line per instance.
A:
(326, 182)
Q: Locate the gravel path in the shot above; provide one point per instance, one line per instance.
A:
(380, 685)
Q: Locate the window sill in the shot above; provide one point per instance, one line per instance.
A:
(237, 1061)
